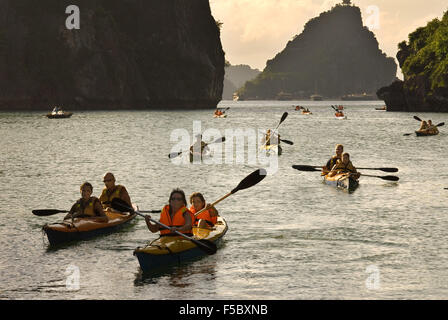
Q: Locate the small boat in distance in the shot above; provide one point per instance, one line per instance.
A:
(383, 108)
(58, 113)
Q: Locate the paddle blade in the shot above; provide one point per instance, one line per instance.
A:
(388, 169)
(283, 117)
(250, 180)
(121, 205)
(174, 154)
(440, 124)
(47, 212)
(390, 178)
(221, 139)
(407, 134)
(417, 118)
(287, 142)
(206, 246)
(304, 168)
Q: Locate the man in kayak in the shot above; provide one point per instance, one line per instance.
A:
(112, 191)
(199, 146)
(208, 217)
(432, 128)
(87, 206)
(174, 215)
(344, 166)
(270, 134)
(332, 161)
(423, 126)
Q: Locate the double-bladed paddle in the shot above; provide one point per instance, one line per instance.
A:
(175, 154)
(205, 245)
(251, 180)
(389, 178)
(47, 212)
(287, 141)
(318, 168)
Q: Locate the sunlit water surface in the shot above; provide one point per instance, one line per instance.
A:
(290, 236)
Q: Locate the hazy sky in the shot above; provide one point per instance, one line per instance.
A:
(254, 31)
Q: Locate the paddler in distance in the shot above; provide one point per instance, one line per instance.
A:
(199, 147)
(432, 128)
(87, 206)
(112, 191)
(339, 149)
(174, 215)
(270, 134)
(207, 218)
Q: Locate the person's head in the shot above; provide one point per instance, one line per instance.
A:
(197, 200)
(177, 199)
(339, 149)
(429, 122)
(86, 190)
(345, 157)
(424, 122)
(109, 180)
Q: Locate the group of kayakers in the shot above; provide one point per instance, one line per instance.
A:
(175, 214)
(340, 163)
(428, 127)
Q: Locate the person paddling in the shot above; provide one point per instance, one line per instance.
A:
(111, 191)
(339, 149)
(208, 217)
(344, 166)
(199, 146)
(174, 215)
(432, 128)
(87, 206)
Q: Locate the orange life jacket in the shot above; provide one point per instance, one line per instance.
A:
(203, 215)
(178, 219)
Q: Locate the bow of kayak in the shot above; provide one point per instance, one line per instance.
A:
(172, 250)
(342, 181)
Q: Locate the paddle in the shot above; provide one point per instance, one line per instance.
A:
(246, 183)
(175, 154)
(47, 212)
(389, 178)
(205, 245)
(417, 118)
(284, 115)
(287, 141)
(312, 168)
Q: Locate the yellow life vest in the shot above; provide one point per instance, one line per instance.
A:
(87, 210)
(107, 197)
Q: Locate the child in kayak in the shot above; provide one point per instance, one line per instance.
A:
(344, 166)
(87, 206)
(208, 217)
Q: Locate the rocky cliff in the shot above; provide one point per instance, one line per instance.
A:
(127, 54)
(424, 62)
(335, 55)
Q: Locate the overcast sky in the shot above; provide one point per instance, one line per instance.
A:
(254, 31)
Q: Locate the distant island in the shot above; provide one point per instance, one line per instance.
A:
(235, 77)
(334, 56)
(129, 54)
(424, 63)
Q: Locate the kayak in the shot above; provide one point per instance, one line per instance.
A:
(343, 181)
(220, 116)
(59, 115)
(172, 250)
(273, 149)
(426, 133)
(201, 157)
(83, 229)
(307, 112)
(341, 118)
(381, 108)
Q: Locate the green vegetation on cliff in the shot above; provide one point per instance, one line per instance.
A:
(335, 55)
(426, 54)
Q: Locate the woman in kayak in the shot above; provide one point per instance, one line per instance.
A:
(423, 126)
(344, 166)
(432, 128)
(208, 217)
(174, 215)
(332, 161)
(87, 206)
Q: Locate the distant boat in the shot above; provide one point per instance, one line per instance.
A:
(381, 108)
(316, 97)
(358, 97)
(58, 113)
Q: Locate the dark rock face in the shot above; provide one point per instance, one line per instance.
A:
(127, 54)
(335, 55)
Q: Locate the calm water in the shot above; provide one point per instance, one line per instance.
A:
(290, 236)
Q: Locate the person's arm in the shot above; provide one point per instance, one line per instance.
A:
(152, 227)
(101, 215)
(212, 210)
(124, 195)
(70, 213)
